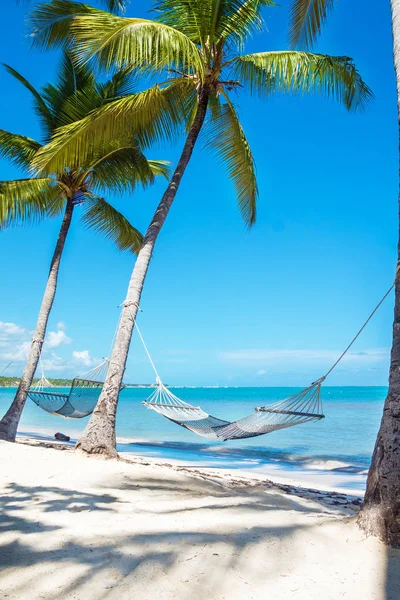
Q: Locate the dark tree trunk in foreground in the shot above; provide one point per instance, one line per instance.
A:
(9, 423)
(99, 435)
(380, 514)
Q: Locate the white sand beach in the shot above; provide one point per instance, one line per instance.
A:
(84, 528)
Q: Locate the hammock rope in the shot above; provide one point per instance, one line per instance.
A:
(304, 406)
(43, 382)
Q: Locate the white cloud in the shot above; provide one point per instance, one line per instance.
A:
(10, 330)
(54, 363)
(19, 354)
(57, 338)
(15, 343)
(61, 325)
(271, 355)
(261, 372)
(83, 356)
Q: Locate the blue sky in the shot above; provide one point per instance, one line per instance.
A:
(221, 305)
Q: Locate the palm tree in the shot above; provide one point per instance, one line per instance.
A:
(380, 514)
(117, 168)
(197, 47)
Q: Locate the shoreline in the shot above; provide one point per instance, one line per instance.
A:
(277, 475)
(328, 497)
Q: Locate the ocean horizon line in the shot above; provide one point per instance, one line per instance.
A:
(215, 387)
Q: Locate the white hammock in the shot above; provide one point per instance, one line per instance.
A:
(303, 407)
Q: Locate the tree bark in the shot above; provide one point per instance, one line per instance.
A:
(380, 514)
(99, 435)
(9, 423)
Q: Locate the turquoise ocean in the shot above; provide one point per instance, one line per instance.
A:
(332, 453)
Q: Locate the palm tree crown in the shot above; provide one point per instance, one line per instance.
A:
(118, 167)
(197, 45)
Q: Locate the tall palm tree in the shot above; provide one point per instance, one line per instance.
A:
(197, 49)
(119, 167)
(380, 514)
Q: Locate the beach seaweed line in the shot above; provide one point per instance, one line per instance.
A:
(328, 499)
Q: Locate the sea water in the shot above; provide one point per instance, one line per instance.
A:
(332, 453)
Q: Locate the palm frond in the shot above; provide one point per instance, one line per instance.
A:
(50, 23)
(240, 19)
(105, 219)
(18, 148)
(226, 138)
(33, 199)
(160, 168)
(74, 94)
(291, 72)
(70, 79)
(140, 43)
(191, 17)
(154, 115)
(41, 108)
(306, 20)
(79, 105)
(122, 83)
(120, 170)
(77, 91)
(116, 5)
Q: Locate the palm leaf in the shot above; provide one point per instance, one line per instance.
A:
(120, 170)
(103, 218)
(70, 79)
(153, 115)
(122, 83)
(240, 19)
(79, 105)
(306, 20)
(78, 92)
(114, 40)
(116, 5)
(226, 138)
(33, 199)
(50, 22)
(160, 168)
(191, 17)
(41, 108)
(291, 71)
(140, 43)
(18, 148)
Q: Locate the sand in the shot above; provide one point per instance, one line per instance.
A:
(82, 528)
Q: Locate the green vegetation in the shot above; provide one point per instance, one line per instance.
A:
(15, 381)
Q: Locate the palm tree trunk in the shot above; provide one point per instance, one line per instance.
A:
(9, 423)
(99, 435)
(380, 514)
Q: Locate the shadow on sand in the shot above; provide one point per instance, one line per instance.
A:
(70, 569)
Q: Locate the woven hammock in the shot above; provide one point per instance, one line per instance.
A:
(78, 402)
(303, 407)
